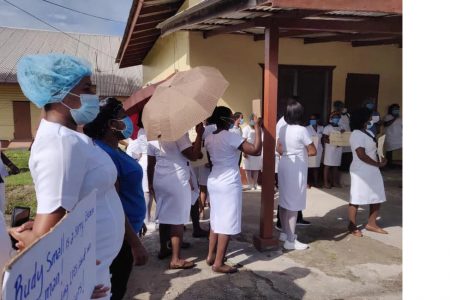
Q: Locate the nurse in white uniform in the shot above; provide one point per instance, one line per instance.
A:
(65, 164)
(294, 145)
(252, 164)
(169, 177)
(393, 128)
(333, 154)
(224, 185)
(367, 186)
(315, 131)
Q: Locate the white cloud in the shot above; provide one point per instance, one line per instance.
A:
(58, 16)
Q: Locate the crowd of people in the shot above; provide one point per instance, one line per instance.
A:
(67, 164)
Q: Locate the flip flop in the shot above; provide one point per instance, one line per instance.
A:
(183, 266)
(355, 231)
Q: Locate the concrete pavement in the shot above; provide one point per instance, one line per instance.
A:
(337, 265)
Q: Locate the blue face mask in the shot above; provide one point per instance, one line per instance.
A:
(128, 130)
(241, 121)
(395, 112)
(251, 123)
(88, 110)
(369, 125)
(335, 121)
(370, 106)
(312, 122)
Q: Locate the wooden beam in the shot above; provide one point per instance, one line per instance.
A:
(129, 30)
(386, 6)
(228, 29)
(251, 23)
(289, 33)
(145, 34)
(205, 10)
(391, 26)
(156, 9)
(265, 240)
(377, 42)
(344, 37)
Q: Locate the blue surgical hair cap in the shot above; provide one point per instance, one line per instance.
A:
(49, 78)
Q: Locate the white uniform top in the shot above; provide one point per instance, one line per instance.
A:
(281, 122)
(224, 182)
(293, 167)
(66, 166)
(394, 133)
(236, 130)
(137, 149)
(251, 162)
(5, 244)
(171, 180)
(333, 154)
(366, 181)
(3, 170)
(314, 161)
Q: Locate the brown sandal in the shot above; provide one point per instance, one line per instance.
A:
(184, 265)
(354, 230)
(225, 269)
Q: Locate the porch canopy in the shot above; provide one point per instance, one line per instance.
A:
(359, 22)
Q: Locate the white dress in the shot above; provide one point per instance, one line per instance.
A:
(293, 168)
(137, 149)
(76, 168)
(281, 122)
(202, 172)
(333, 154)
(253, 163)
(314, 161)
(224, 182)
(394, 133)
(171, 181)
(367, 185)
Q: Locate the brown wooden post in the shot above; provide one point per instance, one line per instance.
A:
(264, 240)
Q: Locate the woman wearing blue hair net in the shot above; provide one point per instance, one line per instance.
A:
(65, 164)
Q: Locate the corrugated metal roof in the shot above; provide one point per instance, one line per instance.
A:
(109, 79)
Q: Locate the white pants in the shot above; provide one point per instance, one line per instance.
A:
(2, 198)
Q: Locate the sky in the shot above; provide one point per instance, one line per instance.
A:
(66, 20)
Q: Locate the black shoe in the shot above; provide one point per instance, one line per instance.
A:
(303, 222)
(200, 233)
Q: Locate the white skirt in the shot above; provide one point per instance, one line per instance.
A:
(333, 156)
(367, 185)
(314, 161)
(173, 196)
(225, 193)
(292, 183)
(252, 163)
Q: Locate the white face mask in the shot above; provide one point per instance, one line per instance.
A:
(344, 110)
(375, 119)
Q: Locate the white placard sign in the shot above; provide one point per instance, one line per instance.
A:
(61, 264)
(380, 149)
(340, 139)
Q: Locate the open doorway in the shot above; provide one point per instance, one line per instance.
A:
(359, 88)
(22, 120)
(311, 84)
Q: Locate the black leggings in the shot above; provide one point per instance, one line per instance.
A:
(120, 270)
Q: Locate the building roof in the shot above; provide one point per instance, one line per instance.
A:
(141, 32)
(361, 23)
(99, 50)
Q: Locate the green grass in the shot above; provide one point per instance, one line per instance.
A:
(20, 188)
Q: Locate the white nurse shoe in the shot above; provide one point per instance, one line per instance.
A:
(295, 245)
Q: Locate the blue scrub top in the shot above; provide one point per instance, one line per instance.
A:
(131, 194)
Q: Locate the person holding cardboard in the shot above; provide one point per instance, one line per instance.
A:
(333, 154)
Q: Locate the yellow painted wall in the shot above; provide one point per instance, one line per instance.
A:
(167, 55)
(238, 58)
(8, 94)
